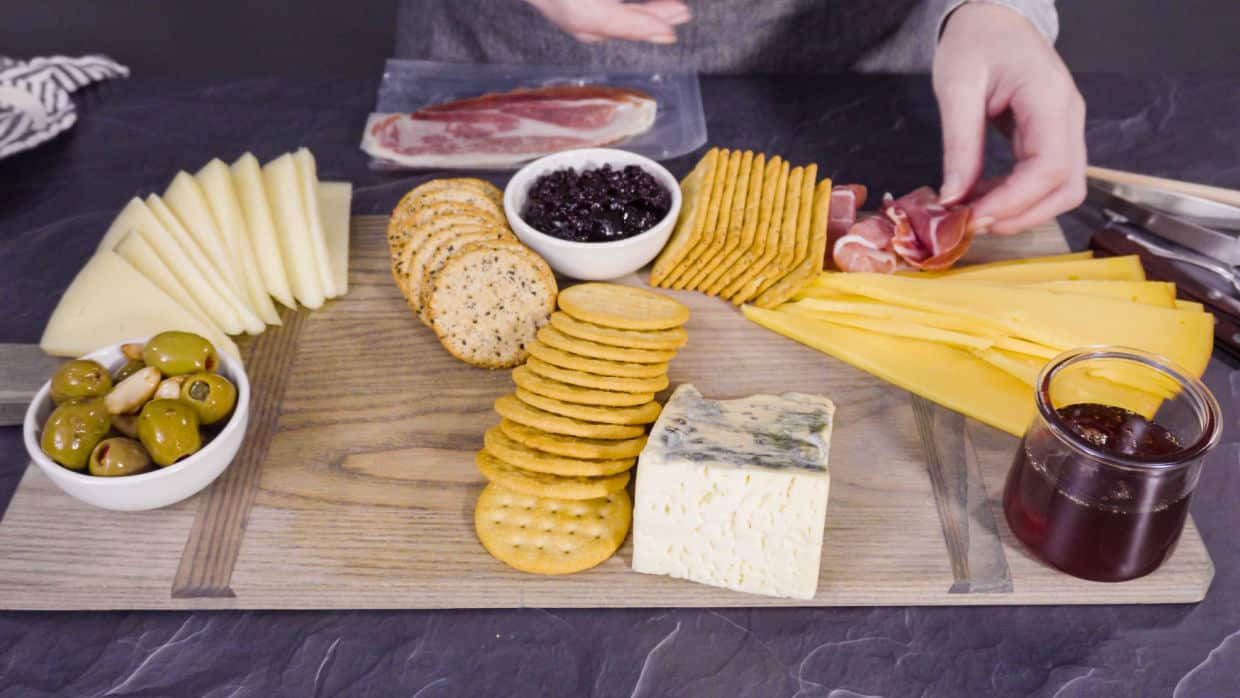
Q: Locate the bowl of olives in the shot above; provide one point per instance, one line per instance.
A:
(142, 424)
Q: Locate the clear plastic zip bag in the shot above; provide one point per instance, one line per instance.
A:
(526, 112)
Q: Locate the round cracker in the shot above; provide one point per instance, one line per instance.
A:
(556, 339)
(622, 307)
(415, 237)
(572, 446)
(416, 256)
(637, 339)
(534, 383)
(524, 481)
(416, 197)
(509, 407)
(640, 414)
(595, 381)
(489, 301)
(602, 367)
(509, 450)
(401, 230)
(543, 535)
(430, 265)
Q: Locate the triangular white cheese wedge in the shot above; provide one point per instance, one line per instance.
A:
(216, 182)
(334, 201)
(187, 201)
(247, 177)
(133, 248)
(183, 256)
(308, 180)
(296, 248)
(108, 302)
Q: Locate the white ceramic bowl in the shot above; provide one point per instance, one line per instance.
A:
(149, 490)
(591, 261)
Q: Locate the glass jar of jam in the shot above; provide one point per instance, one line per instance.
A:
(1101, 482)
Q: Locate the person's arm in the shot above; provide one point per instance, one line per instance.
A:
(591, 21)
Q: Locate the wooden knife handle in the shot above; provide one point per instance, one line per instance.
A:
(1226, 309)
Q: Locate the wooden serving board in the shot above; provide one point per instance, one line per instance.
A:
(356, 485)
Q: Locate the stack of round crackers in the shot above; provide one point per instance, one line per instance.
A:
(559, 460)
(464, 273)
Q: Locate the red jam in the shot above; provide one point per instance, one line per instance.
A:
(1093, 521)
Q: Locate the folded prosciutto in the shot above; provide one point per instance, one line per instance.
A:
(502, 130)
(914, 231)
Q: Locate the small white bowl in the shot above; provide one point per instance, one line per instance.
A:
(150, 490)
(591, 261)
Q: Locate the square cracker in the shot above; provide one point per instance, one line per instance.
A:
(744, 223)
(728, 231)
(695, 190)
(812, 265)
(754, 234)
(724, 185)
(782, 237)
(766, 239)
(800, 241)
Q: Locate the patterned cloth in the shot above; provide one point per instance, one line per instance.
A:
(34, 96)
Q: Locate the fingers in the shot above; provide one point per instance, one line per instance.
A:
(1049, 174)
(962, 106)
(673, 12)
(633, 22)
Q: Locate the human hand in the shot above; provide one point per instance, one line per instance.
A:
(591, 21)
(992, 64)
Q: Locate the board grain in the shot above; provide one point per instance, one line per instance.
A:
(356, 485)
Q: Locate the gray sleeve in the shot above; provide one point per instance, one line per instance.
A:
(911, 48)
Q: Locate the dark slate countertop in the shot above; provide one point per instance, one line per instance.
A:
(133, 135)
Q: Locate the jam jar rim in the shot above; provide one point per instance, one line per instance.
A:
(1211, 431)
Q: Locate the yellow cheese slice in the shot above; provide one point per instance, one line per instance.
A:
(1054, 319)
(187, 201)
(183, 256)
(946, 375)
(284, 194)
(108, 302)
(1103, 269)
(1189, 305)
(827, 308)
(134, 248)
(216, 183)
(247, 177)
(1157, 293)
(334, 201)
(973, 268)
(308, 180)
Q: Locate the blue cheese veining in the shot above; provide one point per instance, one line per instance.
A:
(734, 493)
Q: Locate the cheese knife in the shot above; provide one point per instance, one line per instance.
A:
(1121, 203)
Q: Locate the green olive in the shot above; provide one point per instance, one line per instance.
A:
(169, 431)
(81, 378)
(119, 456)
(131, 367)
(178, 353)
(211, 395)
(73, 430)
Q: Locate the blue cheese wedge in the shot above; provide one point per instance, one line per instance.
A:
(734, 493)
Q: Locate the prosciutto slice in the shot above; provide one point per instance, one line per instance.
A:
(502, 130)
(914, 231)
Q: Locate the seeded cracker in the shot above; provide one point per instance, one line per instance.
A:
(638, 414)
(511, 477)
(654, 339)
(534, 383)
(507, 449)
(401, 229)
(442, 250)
(551, 536)
(572, 446)
(602, 367)
(489, 301)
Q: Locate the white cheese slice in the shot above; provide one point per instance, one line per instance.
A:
(133, 248)
(334, 202)
(308, 181)
(296, 248)
(734, 493)
(247, 177)
(183, 256)
(108, 302)
(187, 201)
(217, 186)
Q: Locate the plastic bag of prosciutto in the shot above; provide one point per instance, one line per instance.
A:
(431, 115)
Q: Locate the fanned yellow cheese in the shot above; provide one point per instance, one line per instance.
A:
(1128, 389)
(334, 200)
(1067, 257)
(1104, 269)
(859, 305)
(216, 183)
(1189, 305)
(247, 177)
(108, 302)
(1156, 293)
(284, 193)
(1054, 319)
(946, 375)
